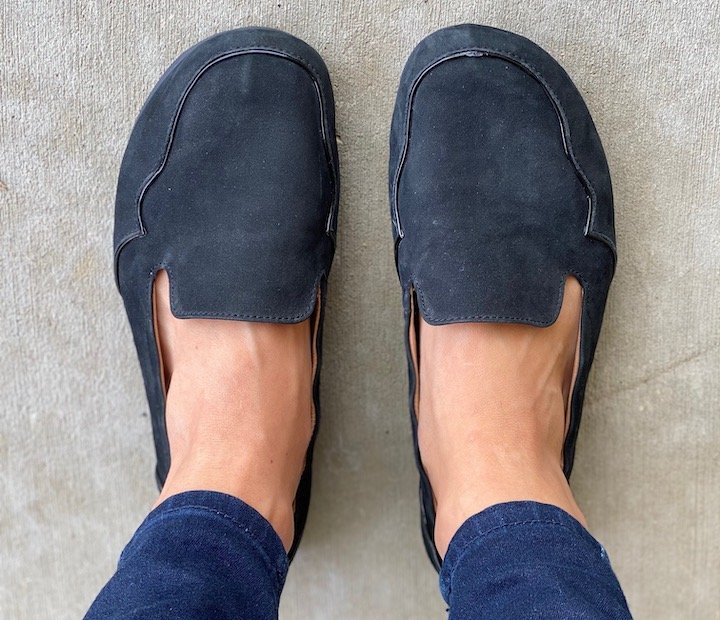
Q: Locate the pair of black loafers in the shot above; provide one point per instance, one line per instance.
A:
(499, 190)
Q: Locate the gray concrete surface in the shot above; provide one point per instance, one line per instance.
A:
(75, 451)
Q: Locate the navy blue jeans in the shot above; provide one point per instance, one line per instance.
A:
(208, 555)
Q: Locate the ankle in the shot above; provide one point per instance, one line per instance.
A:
(510, 478)
(224, 466)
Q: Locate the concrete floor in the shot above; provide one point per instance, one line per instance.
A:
(76, 460)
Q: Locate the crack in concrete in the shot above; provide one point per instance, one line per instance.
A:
(657, 373)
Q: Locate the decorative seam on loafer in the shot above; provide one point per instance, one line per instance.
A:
(300, 61)
(479, 52)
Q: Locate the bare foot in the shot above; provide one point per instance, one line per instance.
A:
(492, 413)
(239, 408)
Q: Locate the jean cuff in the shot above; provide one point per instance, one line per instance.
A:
(212, 508)
(518, 527)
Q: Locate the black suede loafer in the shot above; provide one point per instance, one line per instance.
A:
(499, 190)
(230, 184)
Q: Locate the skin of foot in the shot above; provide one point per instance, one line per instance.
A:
(239, 409)
(492, 413)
